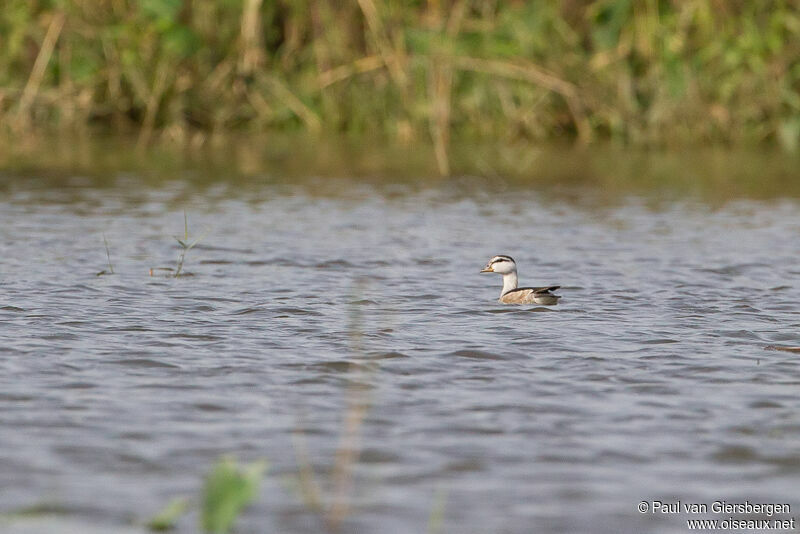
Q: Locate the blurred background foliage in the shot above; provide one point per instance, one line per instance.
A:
(429, 72)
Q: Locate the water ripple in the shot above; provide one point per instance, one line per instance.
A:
(361, 325)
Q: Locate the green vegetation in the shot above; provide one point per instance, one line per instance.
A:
(643, 72)
(185, 245)
(108, 257)
(168, 517)
(229, 489)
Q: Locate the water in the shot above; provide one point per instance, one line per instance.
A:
(306, 302)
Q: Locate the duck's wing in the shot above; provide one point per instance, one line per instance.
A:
(531, 295)
(547, 289)
(520, 291)
(521, 295)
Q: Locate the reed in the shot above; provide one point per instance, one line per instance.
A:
(186, 246)
(645, 73)
(334, 506)
(108, 258)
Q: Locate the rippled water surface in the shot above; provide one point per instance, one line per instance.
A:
(308, 303)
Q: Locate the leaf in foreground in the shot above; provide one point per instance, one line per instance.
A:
(166, 518)
(228, 490)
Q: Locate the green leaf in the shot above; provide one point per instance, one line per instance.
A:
(609, 18)
(180, 41)
(228, 490)
(166, 518)
(162, 10)
(84, 67)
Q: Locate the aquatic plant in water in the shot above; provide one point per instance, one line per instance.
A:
(186, 246)
(108, 257)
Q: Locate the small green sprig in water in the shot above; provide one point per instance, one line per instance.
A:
(227, 491)
(108, 257)
(185, 245)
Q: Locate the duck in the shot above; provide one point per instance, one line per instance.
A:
(511, 294)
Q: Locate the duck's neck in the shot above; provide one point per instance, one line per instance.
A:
(509, 282)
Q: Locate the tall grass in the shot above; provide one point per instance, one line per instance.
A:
(644, 72)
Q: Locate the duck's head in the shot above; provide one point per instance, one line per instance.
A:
(500, 264)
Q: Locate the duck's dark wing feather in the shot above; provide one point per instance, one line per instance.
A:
(536, 290)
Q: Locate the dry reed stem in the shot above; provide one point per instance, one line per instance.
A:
(153, 102)
(538, 76)
(312, 495)
(306, 114)
(433, 12)
(385, 48)
(252, 55)
(342, 72)
(218, 76)
(357, 407)
(456, 18)
(439, 85)
(348, 451)
(322, 52)
(440, 88)
(346, 456)
(260, 105)
(39, 66)
(114, 76)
